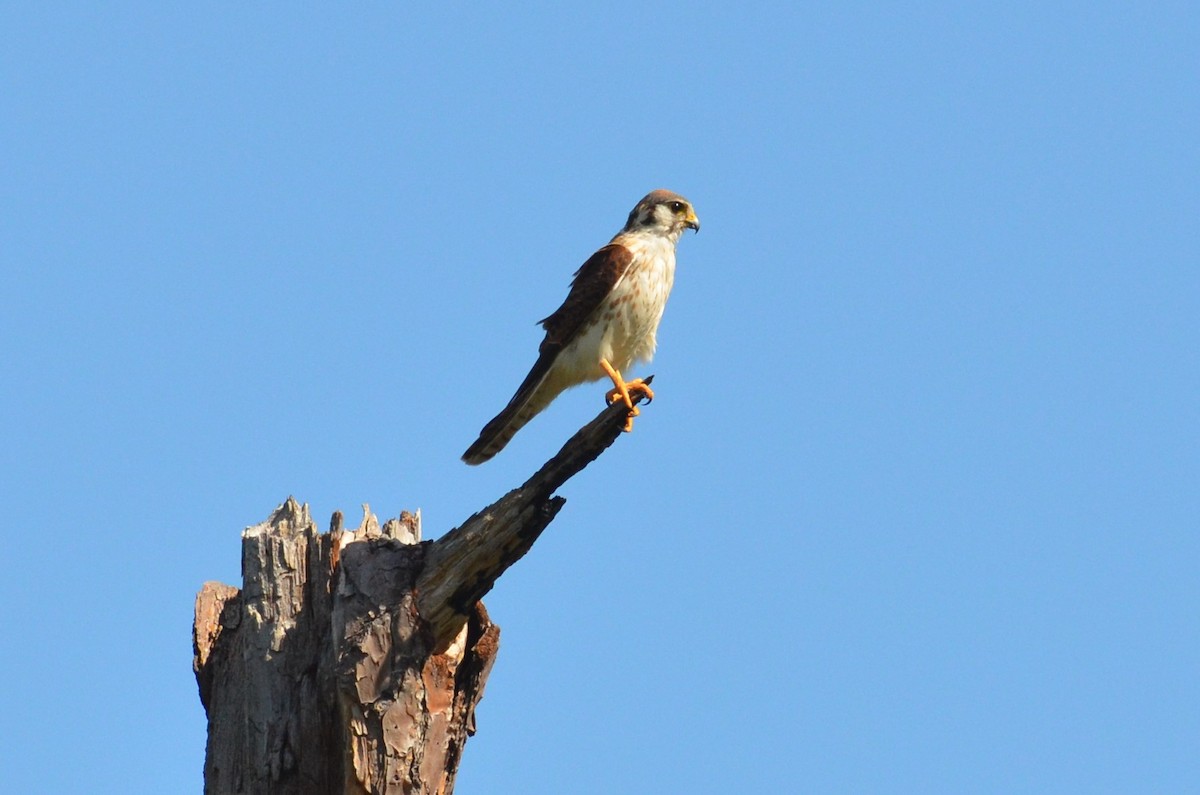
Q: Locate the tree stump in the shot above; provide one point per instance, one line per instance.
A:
(352, 661)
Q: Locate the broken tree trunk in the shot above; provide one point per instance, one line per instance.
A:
(352, 661)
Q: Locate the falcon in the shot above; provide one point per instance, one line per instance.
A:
(607, 323)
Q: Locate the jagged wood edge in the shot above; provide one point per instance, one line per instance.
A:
(463, 565)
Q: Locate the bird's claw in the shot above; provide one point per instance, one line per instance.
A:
(631, 387)
(622, 391)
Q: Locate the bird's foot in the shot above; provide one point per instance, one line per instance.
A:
(623, 391)
(638, 385)
(626, 396)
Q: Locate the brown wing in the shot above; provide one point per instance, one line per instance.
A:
(593, 281)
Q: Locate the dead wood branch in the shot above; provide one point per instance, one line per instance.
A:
(352, 661)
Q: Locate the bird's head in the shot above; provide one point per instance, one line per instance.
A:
(663, 212)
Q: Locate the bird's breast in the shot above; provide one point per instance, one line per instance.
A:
(635, 306)
(624, 326)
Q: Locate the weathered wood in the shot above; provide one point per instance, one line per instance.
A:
(263, 677)
(406, 711)
(353, 661)
(465, 563)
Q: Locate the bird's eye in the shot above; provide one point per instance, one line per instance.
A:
(677, 207)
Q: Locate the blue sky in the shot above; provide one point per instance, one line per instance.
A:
(916, 508)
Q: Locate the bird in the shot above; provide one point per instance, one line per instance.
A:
(608, 322)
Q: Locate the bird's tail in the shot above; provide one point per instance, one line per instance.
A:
(534, 395)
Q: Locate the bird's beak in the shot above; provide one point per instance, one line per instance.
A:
(692, 222)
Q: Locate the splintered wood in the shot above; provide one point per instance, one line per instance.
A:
(352, 661)
(317, 676)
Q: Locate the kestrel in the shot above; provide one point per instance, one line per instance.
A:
(607, 323)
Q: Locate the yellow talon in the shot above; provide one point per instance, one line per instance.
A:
(622, 389)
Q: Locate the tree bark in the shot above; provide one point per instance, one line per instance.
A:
(352, 661)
